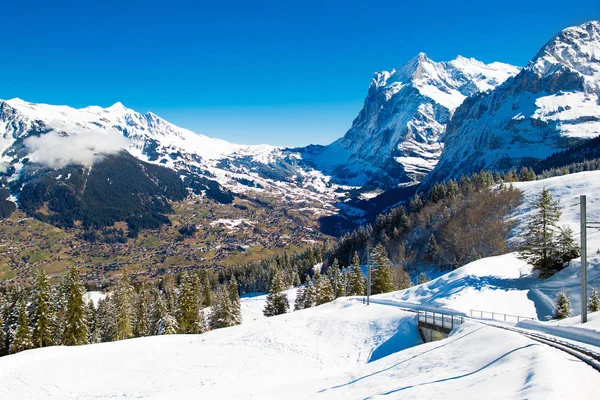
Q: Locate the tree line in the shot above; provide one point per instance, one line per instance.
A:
(46, 315)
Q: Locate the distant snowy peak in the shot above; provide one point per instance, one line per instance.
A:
(576, 48)
(395, 139)
(553, 103)
(137, 127)
(447, 83)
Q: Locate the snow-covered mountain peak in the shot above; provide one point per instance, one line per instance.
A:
(576, 48)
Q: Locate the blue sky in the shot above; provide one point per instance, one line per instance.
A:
(278, 72)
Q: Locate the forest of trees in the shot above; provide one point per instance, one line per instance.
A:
(46, 315)
(455, 222)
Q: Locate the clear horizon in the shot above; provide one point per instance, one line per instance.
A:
(267, 72)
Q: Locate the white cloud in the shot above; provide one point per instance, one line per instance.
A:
(82, 146)
(3, 167)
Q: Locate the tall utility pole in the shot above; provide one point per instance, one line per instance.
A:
(582, 206)
(368, 275)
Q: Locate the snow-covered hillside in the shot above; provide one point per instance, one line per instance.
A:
(551, 102)
(506, 284)
(341, 350)
(396, 136)
(235, 362)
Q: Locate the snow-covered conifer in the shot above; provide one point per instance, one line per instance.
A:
(277, 301)
(22, 339)
(562, 307)
(75, 327)
(43, 312)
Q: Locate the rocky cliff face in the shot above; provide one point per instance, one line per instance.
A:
(550, 105)
(396, 136)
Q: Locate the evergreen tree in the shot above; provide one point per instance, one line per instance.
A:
(75, 327)
(404, 281)
(234, 298)
(565, 248)
(165, 323)
(433, 250)
(594, 302)
(106, 320)
(336, 280)
(277, 302)
(310, 294)
(3, 347)
(357, 282)
(539, 234)
(562, 308)
(206, 291)
(92, 320)
(300, 298)
(222, 311)
(142, 313)
(43, 312)
(188, 315)
(382, 274)
(324, 291)
(123, 298)
(23, 339)
(423, 278)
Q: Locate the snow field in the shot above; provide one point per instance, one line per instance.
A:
(234, 362)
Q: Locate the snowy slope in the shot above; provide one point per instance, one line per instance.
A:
(506, 284)
(342, 350)
(396, 136)
(475, 362)
(228, 363)
(550, 104)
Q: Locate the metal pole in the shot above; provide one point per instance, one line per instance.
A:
(582, 204)
(368, 277)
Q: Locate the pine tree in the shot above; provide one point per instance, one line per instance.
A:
(433, 250)
(565, 248)
(142, 313)
(222, 311)
(324, 291)
(403, 277)
(3, 348)
(188, 315)
(539, 235)
(234, 298)
(165, 323)
(277, 302)
(300, 298)
(357, 282)
(310, 294)
(92, 321)
(23, 339)
(123, 298)
(382, 274)
(336, 279)
(562, 308)
(423, 278)
(106, 320)
(75, 330)
(206, 291)
(43, 312)
(594, 302)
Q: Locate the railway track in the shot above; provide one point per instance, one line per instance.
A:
(580, 352)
